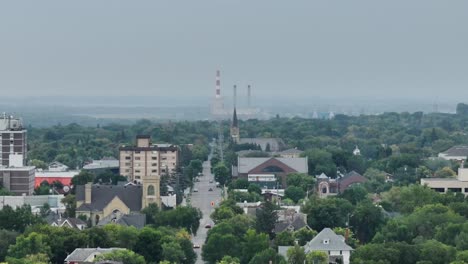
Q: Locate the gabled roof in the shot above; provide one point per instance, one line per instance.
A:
(456, 151)
(247, 164)
(322, 176)
(71, 222)
(102, 195)
(335, 242)
(352, 173)
(134, 219)
(82, 254)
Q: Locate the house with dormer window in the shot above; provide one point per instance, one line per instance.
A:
(328, 242)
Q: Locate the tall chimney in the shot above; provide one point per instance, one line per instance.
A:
(248, 95)
(218, 84)
(88, 188)
(235, 96)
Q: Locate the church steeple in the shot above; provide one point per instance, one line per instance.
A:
(234, 119)
(235, 128)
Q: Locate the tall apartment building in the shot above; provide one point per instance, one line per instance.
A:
(145, 163)
(14, 176)
(18, 180)
(13, 139)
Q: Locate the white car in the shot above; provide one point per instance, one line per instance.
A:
(195, 190)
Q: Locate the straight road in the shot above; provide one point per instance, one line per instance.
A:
(202, 200)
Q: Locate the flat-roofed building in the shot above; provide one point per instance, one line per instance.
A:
(443, 185)
(18, 180)
(13, 138)
(145, 163)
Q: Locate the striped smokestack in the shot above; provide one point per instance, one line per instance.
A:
(218, 84)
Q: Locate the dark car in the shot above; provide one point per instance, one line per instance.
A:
(207, 226)
(211, 189)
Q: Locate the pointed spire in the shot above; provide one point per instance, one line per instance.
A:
(234, 119)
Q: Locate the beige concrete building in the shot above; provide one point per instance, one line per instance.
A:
(443, 185)
(145, 163)
(18, 180)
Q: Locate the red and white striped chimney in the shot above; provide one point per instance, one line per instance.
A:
(218, 84)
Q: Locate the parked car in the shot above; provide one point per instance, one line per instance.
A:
(211, 181)
(210, 190)
(195, 190)
(207, 226)
(196, 246)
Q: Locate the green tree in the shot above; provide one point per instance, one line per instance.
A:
(38, 164)
(366, 220)
(30, 259)
(253, 243)
(355, 194)
(124, 255)
(436, 252)
(304, 235)
(294, 193)
(284, 238)
(229, 260)
(266, 256)
(7, 238)
(221, 173)
(296, 255)
(266, 217)
(317, 257)
(149, 244)
(70, 205)
(329, 212)
(173, 252)
(82, 178)
(32, 244)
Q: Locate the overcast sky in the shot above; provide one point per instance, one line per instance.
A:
(304, 48)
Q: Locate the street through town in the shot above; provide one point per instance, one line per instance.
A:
(203, 199)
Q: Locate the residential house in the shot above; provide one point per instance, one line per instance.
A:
(327, 186)
(329, 242)
(290, 220)
(75, 223)
(136, 220)
(87, 255)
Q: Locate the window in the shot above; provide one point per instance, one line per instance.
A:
(128, 157)
(137, 158)
(151, 190)
(326, 241)
(466, 190)
(455, 189)
(154, 171)
(154, 164)
(273, 169)
(154, 158)
(324, 190)
(137, 171)
(137, 152)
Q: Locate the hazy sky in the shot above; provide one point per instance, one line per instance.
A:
(302, 47)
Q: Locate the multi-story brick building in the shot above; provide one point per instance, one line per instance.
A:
(12, 139)
(145, 163)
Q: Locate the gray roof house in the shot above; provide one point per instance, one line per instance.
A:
(133, 219)
(458, 153)
(289, 220)
(87, 255)
(329, 242)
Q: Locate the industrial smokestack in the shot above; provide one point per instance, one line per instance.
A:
(248, 95)
(235, 96)
(218, 84)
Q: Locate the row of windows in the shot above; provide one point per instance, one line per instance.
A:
(450, 190)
